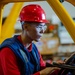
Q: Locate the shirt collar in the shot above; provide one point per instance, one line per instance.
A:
(29, 48)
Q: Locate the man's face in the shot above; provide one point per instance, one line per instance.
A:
(36, 30)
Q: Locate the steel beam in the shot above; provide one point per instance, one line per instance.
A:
(0, 19)
(9, 1)
(1, 12)
(63, 16)
(71, 1)
(8, 26)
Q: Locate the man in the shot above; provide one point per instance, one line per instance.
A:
(19, 55)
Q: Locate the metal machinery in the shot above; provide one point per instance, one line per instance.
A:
(68, 68)
(7, 29)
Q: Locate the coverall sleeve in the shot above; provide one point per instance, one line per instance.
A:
(43, 65)
(8, 62)
(10, 65)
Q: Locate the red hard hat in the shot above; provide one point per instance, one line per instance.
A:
(33, 13)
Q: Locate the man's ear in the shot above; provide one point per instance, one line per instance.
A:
(25, 27)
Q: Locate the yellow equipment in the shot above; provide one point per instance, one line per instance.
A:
(7, 30)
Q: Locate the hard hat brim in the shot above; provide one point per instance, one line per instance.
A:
(39, 21)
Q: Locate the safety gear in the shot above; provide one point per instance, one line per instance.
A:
(33, 13)
(27, 67)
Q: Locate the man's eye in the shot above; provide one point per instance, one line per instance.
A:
(39, 27)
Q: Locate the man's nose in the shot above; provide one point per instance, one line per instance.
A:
(42, 30)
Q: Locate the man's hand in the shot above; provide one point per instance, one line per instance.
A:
(48, 71)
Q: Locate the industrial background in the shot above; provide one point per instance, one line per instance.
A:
(59, 38)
